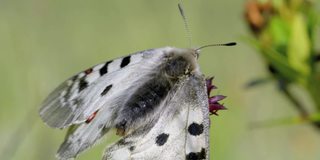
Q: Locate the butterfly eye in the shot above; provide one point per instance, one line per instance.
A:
(176, 67)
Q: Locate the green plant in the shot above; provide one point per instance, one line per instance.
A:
(285, 35)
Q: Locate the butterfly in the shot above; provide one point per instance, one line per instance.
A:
(157, 100)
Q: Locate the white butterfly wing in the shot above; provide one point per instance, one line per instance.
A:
(133, 90)
(104, 97)
(83, 94)
(179, 131)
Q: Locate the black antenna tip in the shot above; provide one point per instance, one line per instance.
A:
(231, 44)
(220, 44)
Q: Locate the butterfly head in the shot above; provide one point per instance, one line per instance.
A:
(181, 61)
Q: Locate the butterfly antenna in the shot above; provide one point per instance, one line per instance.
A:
(222, 44)
(186, 26)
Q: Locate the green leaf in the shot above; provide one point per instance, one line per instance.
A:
(279, 61)
(299, 46)
(279, 31)
(313, 18)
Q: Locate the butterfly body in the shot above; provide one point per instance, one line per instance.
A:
(156, 99)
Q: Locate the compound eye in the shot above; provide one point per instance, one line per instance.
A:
(176, 67)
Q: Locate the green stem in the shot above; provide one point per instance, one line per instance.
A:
(300, 107)
(314, 91)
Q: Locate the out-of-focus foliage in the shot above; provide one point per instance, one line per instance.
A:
(284, 34)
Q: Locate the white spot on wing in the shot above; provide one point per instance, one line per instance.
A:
(135, 58)
(114, 65)
(123, 154)
(98, 67)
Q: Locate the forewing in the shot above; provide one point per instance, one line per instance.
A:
(83, 94)
(107, 104)
(179, 131)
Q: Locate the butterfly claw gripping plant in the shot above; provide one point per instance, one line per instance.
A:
(284, 34)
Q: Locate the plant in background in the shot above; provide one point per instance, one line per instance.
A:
(284, 34)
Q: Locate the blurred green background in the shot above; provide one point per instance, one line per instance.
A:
(43, 42)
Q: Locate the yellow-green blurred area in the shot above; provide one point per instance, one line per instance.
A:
(44, 42)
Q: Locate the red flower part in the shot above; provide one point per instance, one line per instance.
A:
(210, 87)
(216, 98)
(214, 108)
(214, 105)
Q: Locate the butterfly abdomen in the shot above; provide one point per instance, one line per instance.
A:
(143, 102)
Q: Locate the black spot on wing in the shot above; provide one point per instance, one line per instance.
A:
(161, 139)
(195, 129)
(103, 70)
(74, 78)
(132, 148)
(82, 84)
(125, 61)
(196, 155)
(124, 142)
(106, 90)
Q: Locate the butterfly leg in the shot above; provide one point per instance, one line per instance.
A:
(121, 128)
